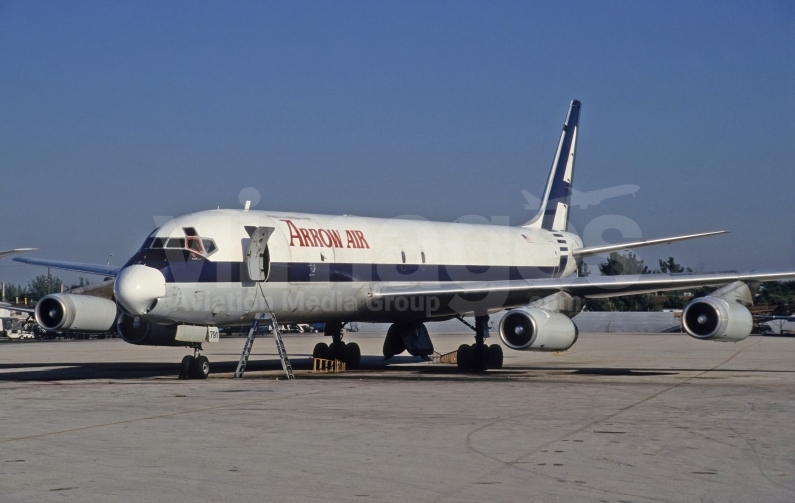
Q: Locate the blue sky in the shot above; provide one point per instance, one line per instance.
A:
(112, 113)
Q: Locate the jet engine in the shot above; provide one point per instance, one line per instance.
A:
(84, 313)
(713, 318)
(534, 329)
(134, 331)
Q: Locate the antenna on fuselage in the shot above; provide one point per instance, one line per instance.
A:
(248, 206)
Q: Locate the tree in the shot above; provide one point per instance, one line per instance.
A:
(39, 287)
(43, 285)
(670, 266)
(780, 294)
(615, 265)
(15, 291)
(623, 264)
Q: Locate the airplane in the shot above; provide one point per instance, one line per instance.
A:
(585, 199)
(222, 267)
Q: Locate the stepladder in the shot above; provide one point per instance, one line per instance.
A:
(259, 320)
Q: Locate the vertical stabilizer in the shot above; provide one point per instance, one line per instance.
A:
(553, 214)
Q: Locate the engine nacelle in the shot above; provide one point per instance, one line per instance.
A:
(84, 313)
(534, 329)
(716, 319)
(141, 333)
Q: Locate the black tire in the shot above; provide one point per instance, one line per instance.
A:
(480, 358)
(393, 343)
(321, 351)
(185, 366)
(337, 350)
(200, 368)
(353, 355)
(464, 357)
(495, 356)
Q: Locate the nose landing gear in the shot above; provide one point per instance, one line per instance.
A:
(196, 366)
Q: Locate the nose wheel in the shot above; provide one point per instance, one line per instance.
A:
(194, 367)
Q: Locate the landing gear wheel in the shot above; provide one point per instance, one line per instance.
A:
(353, 355)
(464, 357)
(495, 356)
(200, 368)
(321, 351)
(480, 358)
(185, 366)
(337, 350)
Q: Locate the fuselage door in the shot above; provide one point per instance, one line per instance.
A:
(257, 256)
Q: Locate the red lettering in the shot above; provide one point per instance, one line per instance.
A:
(336, 239)
(315, 238)
(294, 234)
(325, 238)
(306, 237)
(363, 241)
(351, 239)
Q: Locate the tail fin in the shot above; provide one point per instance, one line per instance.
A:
(553, 214)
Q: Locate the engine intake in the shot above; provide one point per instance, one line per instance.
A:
(534, 329)
(84, 313)
(134, 331)
(713, 318)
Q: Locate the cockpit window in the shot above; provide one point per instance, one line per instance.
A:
(175, 243)
(209, 245)
(196, 245)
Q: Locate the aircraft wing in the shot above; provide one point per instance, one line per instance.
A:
(496, 295)
(766, 318)
(103, 289)
(10, 307)
(598, 250)
(15, 251)
(105, 270)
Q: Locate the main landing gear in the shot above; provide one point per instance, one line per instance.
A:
(338, 350)
(196, 366)
(479, 357)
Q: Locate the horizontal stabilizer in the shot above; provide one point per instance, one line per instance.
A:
(598, 250)
(105, 270)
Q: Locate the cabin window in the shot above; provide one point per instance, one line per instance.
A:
(403, 256)
(422, 254)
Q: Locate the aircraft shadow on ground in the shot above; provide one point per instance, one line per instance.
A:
(374, 365)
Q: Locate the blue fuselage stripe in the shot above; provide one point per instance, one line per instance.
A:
(182, 268)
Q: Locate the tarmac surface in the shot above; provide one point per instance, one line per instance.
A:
(618, 418)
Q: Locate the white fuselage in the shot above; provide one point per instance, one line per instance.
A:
(321, 268)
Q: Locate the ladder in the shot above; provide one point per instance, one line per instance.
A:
(277, 336)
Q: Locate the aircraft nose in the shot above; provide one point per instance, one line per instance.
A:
(137, 287)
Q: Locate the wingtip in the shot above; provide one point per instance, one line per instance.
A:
(15, 251)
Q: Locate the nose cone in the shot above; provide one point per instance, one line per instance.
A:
(137, 287)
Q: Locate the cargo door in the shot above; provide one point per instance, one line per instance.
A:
(258, 263)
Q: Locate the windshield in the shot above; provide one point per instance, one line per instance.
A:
(192, 242)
